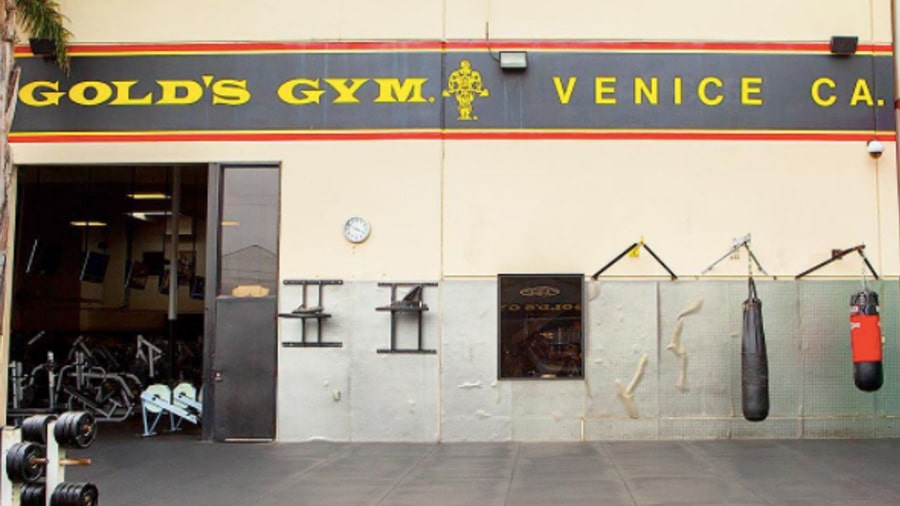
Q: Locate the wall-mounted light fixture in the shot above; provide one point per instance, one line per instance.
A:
(844, 45)
(513, 60)
(42, 47)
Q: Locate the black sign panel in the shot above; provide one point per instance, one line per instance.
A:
(461, 91)
(541, 326)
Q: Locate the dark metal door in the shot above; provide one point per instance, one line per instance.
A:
(244, 368)
(241, 319)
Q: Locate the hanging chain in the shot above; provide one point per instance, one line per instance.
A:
(749, 261)
(865, 279)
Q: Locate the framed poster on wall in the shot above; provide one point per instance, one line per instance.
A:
(540, 324)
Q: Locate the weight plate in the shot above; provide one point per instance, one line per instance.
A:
(59, 431)
(21, 465)
(89, 495)
(75, 429)
(34, 494)
(75, 494)
(62, 495)
(34, 428)
(33, 470)
(57, 498)
(14, 463)
(161, 391)
(183, 390)
(72, 494)
(85, 430)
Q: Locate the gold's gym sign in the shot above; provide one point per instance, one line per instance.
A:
(614, 93)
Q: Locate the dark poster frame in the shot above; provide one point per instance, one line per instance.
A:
(556, 302)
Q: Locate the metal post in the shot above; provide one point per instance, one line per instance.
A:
(173, 268)
(55, 472)
(896, 42)
(393, 318)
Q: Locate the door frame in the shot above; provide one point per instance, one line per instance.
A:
(213, 250)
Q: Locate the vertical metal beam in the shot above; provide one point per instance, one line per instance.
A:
(173, 268)
(213, 218)
(895, 18)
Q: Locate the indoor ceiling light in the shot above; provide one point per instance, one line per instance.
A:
(148, 196)
(230, 223)
(88, 223)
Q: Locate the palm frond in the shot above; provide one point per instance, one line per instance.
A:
(43, 19)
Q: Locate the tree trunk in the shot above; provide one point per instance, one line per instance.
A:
(7, 99)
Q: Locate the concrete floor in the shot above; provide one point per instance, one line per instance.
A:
(180, 470)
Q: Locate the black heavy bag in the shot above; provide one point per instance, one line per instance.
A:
(865, 339)
(754, 362)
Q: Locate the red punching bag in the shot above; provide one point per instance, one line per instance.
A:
(865, 338)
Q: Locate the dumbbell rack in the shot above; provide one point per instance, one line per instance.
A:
(54, 470)
(318, 314)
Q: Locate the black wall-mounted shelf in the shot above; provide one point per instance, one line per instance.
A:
(306, 312)
(412, 302)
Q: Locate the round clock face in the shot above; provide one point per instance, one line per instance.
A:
(356, 229)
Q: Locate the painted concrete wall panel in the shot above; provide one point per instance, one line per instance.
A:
(783, 344)
(547, 410)
(887, 400)
(571, 206)
(622, 329)
(475, 406)
(394, 396)
(709, 333)
(313, 393)
(828, 387)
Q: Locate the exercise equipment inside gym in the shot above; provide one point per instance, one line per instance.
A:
(90, 328)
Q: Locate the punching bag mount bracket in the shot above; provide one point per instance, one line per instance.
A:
(736, 245)
(837, 254)
(629, 249)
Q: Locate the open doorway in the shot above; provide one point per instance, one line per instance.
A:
(97, 262)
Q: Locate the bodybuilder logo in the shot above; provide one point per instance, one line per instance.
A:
(539, 291)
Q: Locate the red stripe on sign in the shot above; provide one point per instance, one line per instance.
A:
(434, 45)
(669, 135)
(449, 135)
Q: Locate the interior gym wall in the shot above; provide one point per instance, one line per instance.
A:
(460, 212)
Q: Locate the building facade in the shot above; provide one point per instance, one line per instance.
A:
(681, 126)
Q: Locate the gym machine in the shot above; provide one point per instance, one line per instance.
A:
(182, 403)
(32, 467)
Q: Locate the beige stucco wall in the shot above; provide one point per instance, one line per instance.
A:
(476, 208)
(573, 206)
(205, 20)
(395, 185)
